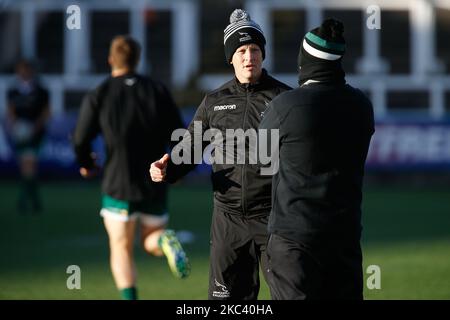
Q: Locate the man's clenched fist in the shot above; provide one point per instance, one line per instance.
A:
(158, 168)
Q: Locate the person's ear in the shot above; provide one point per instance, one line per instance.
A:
(110, 60)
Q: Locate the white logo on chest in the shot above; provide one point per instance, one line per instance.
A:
(225, 107)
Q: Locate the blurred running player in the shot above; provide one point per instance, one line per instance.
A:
(136, 116)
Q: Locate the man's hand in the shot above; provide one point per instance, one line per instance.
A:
(89, 173)
(158, 168)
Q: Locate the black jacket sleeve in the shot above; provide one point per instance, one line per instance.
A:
(169, 116)
(270, 121)
(86, 130)
(174, 171)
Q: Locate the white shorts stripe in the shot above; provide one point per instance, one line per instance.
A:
(105, 213)
(146, 219)
(154, 221)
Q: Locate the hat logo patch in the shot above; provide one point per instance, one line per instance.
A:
(244, 36)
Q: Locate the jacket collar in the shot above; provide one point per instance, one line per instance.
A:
(251, 87)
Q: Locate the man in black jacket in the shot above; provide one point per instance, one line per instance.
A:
(242, 198)
(136, 116)
(325, 127)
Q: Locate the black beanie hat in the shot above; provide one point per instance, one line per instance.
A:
(323, 44)
(242, 30)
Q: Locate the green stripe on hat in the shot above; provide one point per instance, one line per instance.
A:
(324, 43)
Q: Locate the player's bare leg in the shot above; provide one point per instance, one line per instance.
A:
(29, 192)
(159, 241)
(121, 238)
(149, 238)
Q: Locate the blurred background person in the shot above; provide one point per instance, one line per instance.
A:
(136, 117)
(27, 116)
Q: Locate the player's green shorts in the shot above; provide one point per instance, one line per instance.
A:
(149, 211)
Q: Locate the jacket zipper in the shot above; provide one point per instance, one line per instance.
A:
(243, 173)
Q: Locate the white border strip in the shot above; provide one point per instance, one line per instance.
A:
(146, 219)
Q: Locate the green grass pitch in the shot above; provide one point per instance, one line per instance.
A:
(406, 233)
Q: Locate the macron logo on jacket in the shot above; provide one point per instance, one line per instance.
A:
(225, 107)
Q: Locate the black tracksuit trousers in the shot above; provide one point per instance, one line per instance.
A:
(238, 247)
(333, 272)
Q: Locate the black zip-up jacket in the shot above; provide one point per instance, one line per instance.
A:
(238, 188)
(136, 116)
(324, 131)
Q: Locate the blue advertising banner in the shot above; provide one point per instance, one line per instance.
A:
(399, 146)
(410, 146)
